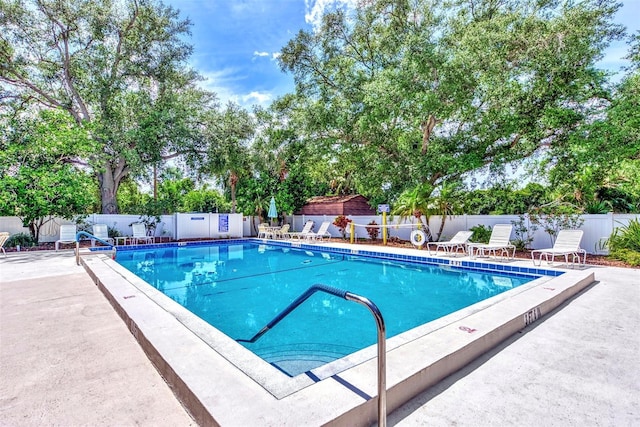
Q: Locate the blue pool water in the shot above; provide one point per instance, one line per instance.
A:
(238, 288)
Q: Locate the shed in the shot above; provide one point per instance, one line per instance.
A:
(354, 204)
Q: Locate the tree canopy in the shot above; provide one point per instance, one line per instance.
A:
(118, 67)
(406, 93)
(402, 101)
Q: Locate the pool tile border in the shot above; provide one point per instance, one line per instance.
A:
(417, 363)
(429, 260)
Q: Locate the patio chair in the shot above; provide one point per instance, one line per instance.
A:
(263, 230)
(457, 242)
(321, 234)
(567, 244)
(308, 227)
(499, 241)
(67, 234)
(4, 236)
(140, 233)
(101, 231)
(283, 232)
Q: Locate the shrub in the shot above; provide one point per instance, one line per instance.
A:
(524, 234)
(373, 231)
(626, 237)
(23, 239)
(624, 243)
(627, 256)
(481, 233)
(342, 222)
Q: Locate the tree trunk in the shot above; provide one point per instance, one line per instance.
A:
(233, 180)
(108, 191)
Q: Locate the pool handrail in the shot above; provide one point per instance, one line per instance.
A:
(318, 287)
(91, 236)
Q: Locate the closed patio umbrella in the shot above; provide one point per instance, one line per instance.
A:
(273, 211)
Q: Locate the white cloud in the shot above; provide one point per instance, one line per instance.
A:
(255, 97)
(273, 55)
(222, 82)
(316, 8)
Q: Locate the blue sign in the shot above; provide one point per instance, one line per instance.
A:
(383, 208)
(197, 218)
(223, 223)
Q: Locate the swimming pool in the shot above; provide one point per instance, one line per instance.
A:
(239, 287)
(220, 382)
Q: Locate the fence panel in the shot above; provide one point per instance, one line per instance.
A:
(596, 227)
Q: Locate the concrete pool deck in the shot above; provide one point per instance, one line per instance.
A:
(575, 366)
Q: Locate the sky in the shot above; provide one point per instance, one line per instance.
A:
(237, 42)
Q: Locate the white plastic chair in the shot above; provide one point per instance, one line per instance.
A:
(101, 231)
(457, 242)
(323, 231)
(4, 236)
(305, 231)
(567, 244)
(499, 241)
(67, 234)
(140, 233)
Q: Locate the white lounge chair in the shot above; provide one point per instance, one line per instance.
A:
(67, 234)
(283, 232)
(302, 234)
(567, 244)
(457, 242)
(323, 231)
(140, 233)
(499, 241)
(101, 231)
(4, 236)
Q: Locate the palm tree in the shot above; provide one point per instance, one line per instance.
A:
(420, 201)
(415, 202)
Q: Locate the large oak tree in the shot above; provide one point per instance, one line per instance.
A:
(409, 94)
(118, 67)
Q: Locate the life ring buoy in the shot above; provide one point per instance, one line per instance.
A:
(418, 237)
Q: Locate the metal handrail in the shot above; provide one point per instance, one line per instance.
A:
(91, 236)
(382, 380)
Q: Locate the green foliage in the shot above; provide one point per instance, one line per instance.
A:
(626, 237)
(38, 179)
(390, 103)
(226, 156)
(481, 233)
(415, 202)
(21, 239)
(504, 199)
(555, 217)
(628, 256)
(118, 70)
(204, 200)
(524, 233)
(598, 164)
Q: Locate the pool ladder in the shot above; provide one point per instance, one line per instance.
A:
(91, 236)
(382, 386)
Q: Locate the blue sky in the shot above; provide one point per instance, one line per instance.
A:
(236, 42)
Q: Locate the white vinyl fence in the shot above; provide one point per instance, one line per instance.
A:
(596, 228)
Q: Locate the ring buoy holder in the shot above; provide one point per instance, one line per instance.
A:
(418, 237)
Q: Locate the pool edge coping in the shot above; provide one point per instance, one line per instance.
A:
(349, 408)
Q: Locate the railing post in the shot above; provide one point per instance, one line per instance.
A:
(382, 355)
(382, 347)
